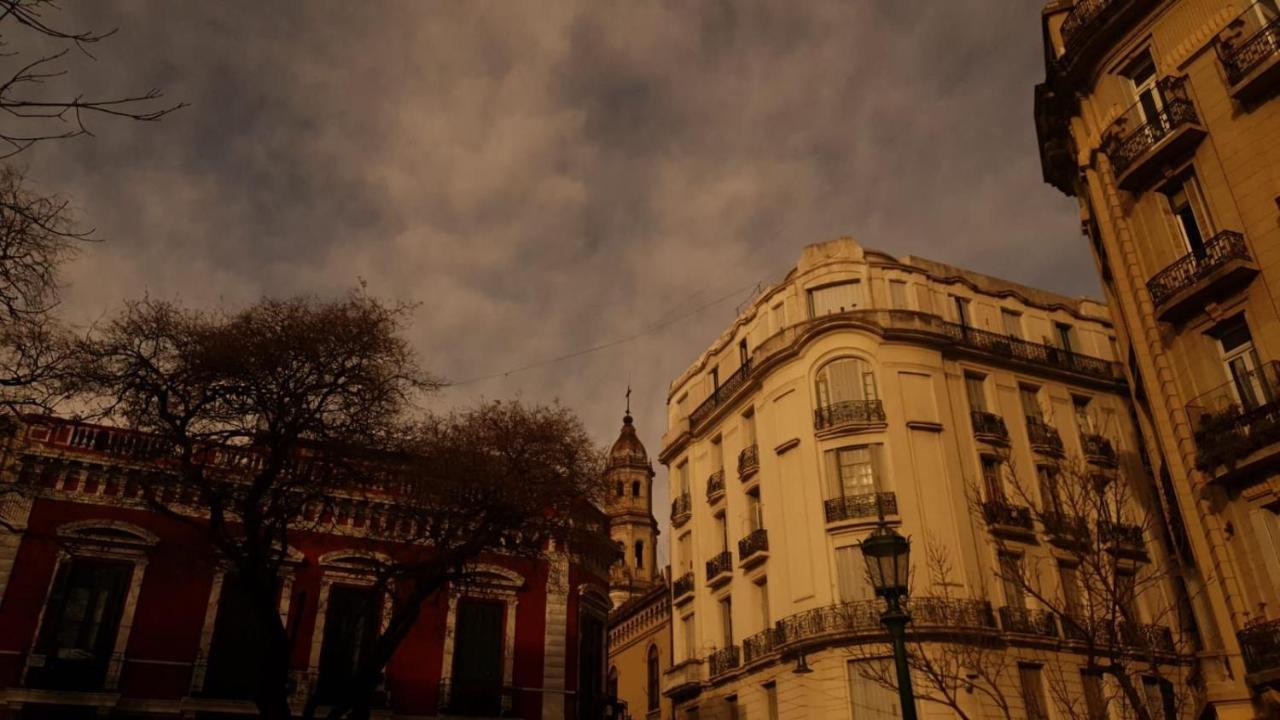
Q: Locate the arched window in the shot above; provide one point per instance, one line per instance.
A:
(639, 550)
(635, 488)
(652, 679)
(844, 380)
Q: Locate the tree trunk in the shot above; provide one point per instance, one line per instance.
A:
(1131, 693)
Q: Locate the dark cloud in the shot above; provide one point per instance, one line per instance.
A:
(545, 177)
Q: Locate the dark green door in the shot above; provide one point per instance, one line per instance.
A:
(476, 680)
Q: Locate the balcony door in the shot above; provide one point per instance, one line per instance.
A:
(1142, 77)
(80, 623)
(350, 629)
(1243, 366)
(477, 658)
(1189, 214)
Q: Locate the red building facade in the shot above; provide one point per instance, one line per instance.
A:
(110, 609)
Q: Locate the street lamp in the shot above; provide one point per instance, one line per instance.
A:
(888, 557)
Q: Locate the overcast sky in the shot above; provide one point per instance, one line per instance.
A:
(544, 177)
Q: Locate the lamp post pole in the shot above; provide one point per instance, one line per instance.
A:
(895, 619)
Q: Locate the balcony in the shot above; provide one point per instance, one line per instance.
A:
(1008, 520)
(1098, 450)
(1237, 424)
(748, 461)
(1092, 26)
(754, 548)
(861, 620)
(1024, 621)
(724, 660)
(1105, 633)
(1044, 438)
(681, 510)
(1249, 48)
(1122, 538)
(860, 507)
(682, 680)
(682, 587)
(989, 427)
(761, 644)
(1023, 351)
(1196, 279)
(723, 393)
(849, 413)
(715, 486)
(1140, 143)
(720, 569)
(1064, 530)
(1260, 646)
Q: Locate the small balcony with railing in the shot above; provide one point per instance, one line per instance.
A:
(754, 548)
(681, 510)
(720, 396)
(1260, 646)
(1249, 49)
(723, 661)
(1065, 530)
(1028, 621)
(1222, 267)
(1008, 520)
(761, 645)
(1043, 437)
(720, 569)
(849, 415)
(715, 486)
(1237, 424)
(1093, 26)
(682, 588)
(864, 508)
(1098, 450)
(989, 427)
(1121, 538)
(748, 462)
(1148, 136)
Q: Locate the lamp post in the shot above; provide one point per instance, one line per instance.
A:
(888, 563)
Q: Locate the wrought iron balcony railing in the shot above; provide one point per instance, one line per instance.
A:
(721, 394)
(715, 484)
(723, 660)
(848, 412)
(761, 644)
(1065, 528)
(863, 616)
(682, 585)
(1191, 268)
(1026, 621)
(756, 541)
(719, 565)
(1260, 646)
(1098, 449)
(1135, 132)
(748, 461)
(1249, 41)
(1120, 535)
(854, 507)
(1238, 418)
(1044, 437)
(998, 512)
(1080, 21)
(681, 509)
(1105, 633)
(1031, 352)
(988, 425)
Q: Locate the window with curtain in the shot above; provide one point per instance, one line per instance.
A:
(1012, 323)
(853, 471)
(992, 479)
(975, 388)
(1030, 397)
(834, 298)
(870, 699)
(845, 379)
(851, 575)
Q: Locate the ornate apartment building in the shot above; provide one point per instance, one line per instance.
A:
(951, 405)
(110, 609)
(1163, 119)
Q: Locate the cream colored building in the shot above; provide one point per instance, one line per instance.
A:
(1163, 120)
(863, 384)
(640, 653)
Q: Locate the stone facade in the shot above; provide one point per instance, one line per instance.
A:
(1162, 119)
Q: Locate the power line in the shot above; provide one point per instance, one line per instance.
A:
(662, 323)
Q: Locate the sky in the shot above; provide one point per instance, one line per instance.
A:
(546, 177)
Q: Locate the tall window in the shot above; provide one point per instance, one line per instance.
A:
(78, 634)
(851, 574)
(635, 488)
(834, 298)
(1011, 580)
(771, 700)
(639, 554)
(722, 530)
(898, 294)
(762, 591)
(685, 543)
(755, 517)
(991, 478)
(687, 631)
(1084, 419)
(717, 454)
(682, 478)
(870, 699)
(1242, 363)
(1069, 583)
(1190, 215)
(778, 315)
(351, 624)
(1012, 322)
(1159, 697)
(1050, 498)
(1029, 396)
(653, 679)
(1095, 701)
(1033, 692)
(1127, 595)
(726, 621)
(1142, 78)
(1064, 332)
(975, 388)
(591, 661)
(853, 471)
(731, 707)
(749, 429)
(845, 379)
(476, 679)
(962, 309)
(235, 657)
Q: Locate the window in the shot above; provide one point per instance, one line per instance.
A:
(717, 454)
(1159, 697)
(1064, 332)
(235, 657)
(613, 681)
(722, 529)
(653, 679)
(1243, 366)
(78, 633)
(853, 471)
(749, 429)
(844, 380)
(731, 707)
(1095, 702)
(834, 298)
(755, 518)
(726, 621)
(591, 661)
(771, 700)
(975, 388)
(1069, 583)
(991, 478)
(852, 584)
(1142, 78)
(1084, 420)
(962, 309)
(1190, 215)
(762, 589)
(779, 317)
(682, 478)
(1126, 595)
(1033, 692)
(870, 699)
(639, 554)
(744, 357)
(635, 488)
(1011, 580)
(351, 625)
(620, 489)
(898, 294)
(714, 376)
(1050, 500)
(686, 551)
(476, 678)
(1012, 322)
(1029, 396)
(690, 638)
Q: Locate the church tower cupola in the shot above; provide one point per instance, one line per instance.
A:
(629, 476)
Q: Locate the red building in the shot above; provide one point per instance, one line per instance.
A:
(109, 609)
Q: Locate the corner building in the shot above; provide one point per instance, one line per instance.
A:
(1162, 120)
(864, 385)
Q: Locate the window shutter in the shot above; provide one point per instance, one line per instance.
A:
(834, 484)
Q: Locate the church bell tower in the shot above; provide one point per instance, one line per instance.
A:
(629, 477)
